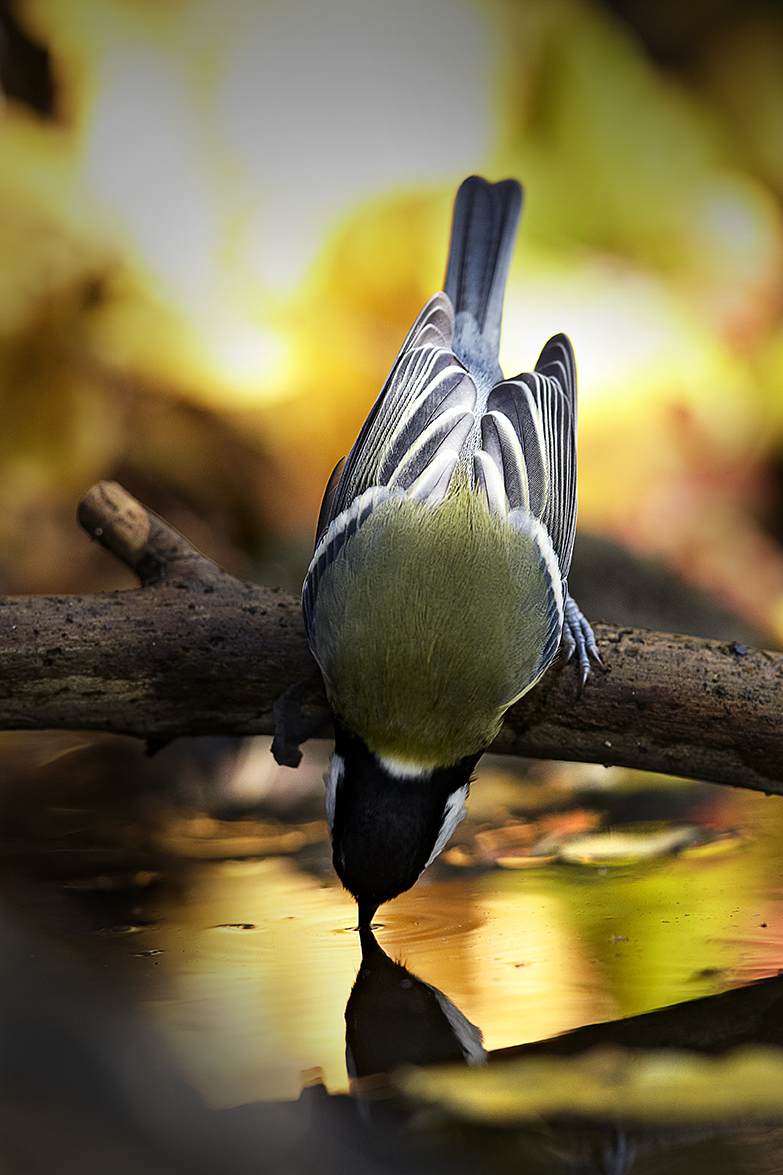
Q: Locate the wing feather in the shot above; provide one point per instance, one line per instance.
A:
(489, 480)
(409, 444)
(500, 442)
(556, 369)
(531, 423)
(425, 381)
(449, 430)
(334, 538)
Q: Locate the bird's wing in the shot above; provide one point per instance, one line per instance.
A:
(332, 541)
(526, 464)
(415, 429)
(409, 445)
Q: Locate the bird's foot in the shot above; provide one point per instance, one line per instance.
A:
(579, 639)
(293, 726)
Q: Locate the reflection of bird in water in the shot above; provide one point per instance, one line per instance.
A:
(392, 1018)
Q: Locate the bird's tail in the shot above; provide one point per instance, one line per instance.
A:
(483, 233)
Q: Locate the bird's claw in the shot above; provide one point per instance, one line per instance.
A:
(579, 638)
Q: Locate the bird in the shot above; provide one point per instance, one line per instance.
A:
(437, 593)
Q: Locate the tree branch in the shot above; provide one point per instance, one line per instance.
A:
(196, 651)
(192, 651)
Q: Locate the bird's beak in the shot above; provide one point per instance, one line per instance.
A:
(366, 914)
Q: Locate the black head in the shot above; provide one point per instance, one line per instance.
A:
(387, 827)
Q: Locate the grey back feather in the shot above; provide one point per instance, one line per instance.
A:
(483, 233)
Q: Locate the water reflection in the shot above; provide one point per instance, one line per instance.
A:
(242, 967)
(251, 989)
(393, 1018)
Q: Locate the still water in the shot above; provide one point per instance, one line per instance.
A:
(243, 962)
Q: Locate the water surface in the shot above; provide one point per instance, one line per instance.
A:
(244, 966)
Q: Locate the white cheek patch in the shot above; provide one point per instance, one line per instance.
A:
(332, 779)
(452, 814)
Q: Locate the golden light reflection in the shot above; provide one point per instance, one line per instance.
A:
(527, 980)
(258, 963)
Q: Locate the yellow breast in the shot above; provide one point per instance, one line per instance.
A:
(429, 624)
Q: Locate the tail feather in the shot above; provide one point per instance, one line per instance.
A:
(483, 233)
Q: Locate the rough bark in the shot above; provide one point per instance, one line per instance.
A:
(196, 651)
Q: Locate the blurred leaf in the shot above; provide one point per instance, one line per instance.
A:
(610, 1083)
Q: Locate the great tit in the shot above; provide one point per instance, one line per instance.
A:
(437, 593)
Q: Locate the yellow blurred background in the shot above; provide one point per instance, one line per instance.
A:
(218, 219)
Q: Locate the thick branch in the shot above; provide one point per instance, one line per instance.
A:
(676, 704)
(195, 651)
